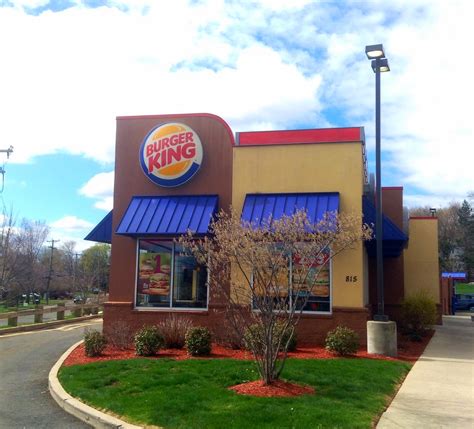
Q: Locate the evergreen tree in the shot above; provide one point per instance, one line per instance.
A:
(466, 239)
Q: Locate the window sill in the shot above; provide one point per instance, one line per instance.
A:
(204, 311)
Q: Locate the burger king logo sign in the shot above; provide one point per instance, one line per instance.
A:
(171, 154)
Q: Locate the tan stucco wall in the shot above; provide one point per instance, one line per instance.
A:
(331, 167)
(421, 258)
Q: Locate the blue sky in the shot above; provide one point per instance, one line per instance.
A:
(68, 68)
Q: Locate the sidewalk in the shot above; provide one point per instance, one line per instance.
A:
(439, 390)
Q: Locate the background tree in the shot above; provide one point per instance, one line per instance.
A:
(449, 234)
(8, 255)
(29, 241)
(250, 267)
(93, 269)
(61, 282)
(466, 238)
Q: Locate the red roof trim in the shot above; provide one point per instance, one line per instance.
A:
(324, 135)
(423, 217)
(393, 188)
(184, 115)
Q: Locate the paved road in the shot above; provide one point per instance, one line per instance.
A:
(439, 390)
(25, 361)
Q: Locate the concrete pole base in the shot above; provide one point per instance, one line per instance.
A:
(382, 338)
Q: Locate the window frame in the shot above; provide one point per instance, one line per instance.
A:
(290, 285)
(169, 308)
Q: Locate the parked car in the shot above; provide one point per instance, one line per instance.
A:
(35, 298)
(79, 299)
(464, 302)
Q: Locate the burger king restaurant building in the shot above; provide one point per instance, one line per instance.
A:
(175, 172)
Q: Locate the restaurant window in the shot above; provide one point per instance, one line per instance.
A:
(311, 287)
(306, 284)
(169, 278)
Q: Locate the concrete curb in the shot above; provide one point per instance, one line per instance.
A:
(83, 412)
(47, 325)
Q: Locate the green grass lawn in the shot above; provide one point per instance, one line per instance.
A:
(464, 288)
(350, 393)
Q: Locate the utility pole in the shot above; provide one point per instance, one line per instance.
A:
(7, 151)
(2, 168)
(74, 271)
(52, 241)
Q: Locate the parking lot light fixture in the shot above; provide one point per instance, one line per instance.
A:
(381, 65)
(374, 51)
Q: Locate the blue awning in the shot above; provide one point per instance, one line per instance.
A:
(394, 240)
(102, 233)
(258, 208)
(168, 215)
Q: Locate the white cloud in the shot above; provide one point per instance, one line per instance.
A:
(71, 223)
(32, 4)
(105, 203)
(100, 187)
(71, 228)
(63, 86)
(266, 64)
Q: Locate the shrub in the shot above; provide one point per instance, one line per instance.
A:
(418, 314)
(120, 334)
(148, 340)
(198, 341)
(174, 330)
(94, 342)
(231, 340)
(254, 338)
(343, 341)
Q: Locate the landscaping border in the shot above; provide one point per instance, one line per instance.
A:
(89, 415)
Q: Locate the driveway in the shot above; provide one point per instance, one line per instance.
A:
(25, 361)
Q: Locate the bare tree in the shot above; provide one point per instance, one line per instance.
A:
(450, 233)
(93, 268)
(8, 255)
(30, 239)
(267, 275)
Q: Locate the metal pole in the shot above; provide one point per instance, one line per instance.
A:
(380, 316)
(50, 268)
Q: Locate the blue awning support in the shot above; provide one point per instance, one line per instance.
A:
(168, 215)
(102, 233)
(258, 208)
(394, 240)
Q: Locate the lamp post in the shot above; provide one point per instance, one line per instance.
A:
(379, 64)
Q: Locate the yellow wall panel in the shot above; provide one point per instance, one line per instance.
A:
(327, 167)
(421, 258)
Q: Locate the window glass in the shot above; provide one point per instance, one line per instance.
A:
(307, 284)
(312, 289)
(190, 281)
(167, 277)
(272, 286)
(154, 273)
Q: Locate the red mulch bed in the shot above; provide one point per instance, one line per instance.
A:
(408, 351)
(78, 355)
(277, 388)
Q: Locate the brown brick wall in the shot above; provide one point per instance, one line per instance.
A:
(311, 330)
